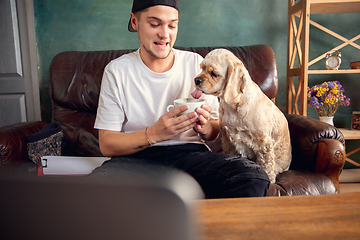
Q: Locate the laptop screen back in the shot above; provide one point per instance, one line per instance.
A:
(74, 208)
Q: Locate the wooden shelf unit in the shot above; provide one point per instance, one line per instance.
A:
(352, 134)
(298, 46)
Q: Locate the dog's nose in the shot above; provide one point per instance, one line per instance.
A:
(198, 81)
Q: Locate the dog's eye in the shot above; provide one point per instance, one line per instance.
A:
(214, 74)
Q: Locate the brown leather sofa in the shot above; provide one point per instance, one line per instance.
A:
(318, 149)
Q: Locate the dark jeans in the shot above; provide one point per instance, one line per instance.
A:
(219, 175)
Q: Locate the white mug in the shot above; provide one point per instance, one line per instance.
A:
(192, 104)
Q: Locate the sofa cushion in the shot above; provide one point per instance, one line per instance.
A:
(294, 182)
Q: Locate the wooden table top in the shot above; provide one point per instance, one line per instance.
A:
(334, 216)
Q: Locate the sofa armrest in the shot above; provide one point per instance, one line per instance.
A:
(316, 146)
(330, 159)
(13, 151)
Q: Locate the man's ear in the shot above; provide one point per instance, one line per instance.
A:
(134, 21)
(235, 83)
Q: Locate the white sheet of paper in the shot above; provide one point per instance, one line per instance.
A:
(67, 165)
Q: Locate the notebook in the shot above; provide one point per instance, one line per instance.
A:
(75, 208)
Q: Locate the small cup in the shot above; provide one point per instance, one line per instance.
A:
(192, 104)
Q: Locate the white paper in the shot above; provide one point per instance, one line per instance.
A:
(65, 165)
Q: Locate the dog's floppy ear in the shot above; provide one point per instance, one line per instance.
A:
(235, 82)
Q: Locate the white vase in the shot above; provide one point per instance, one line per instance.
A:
(329, 120)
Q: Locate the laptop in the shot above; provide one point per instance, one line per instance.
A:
(122, 207)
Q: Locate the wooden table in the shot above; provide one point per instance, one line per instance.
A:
(300, 217)
(351, 134)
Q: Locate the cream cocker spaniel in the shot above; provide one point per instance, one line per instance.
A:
(251, 124)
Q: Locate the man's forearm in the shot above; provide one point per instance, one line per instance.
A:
(113, 143)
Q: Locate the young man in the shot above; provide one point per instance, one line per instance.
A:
(134, 126)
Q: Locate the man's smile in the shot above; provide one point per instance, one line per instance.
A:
(161, 44)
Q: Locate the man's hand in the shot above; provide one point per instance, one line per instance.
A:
(169, 126)
(204, 117)
(208, 129)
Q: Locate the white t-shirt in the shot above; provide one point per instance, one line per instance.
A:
(133, 97)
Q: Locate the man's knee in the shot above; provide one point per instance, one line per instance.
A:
(236, 177)
(253, 187)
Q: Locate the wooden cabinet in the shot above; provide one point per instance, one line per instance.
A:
(298, 46)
